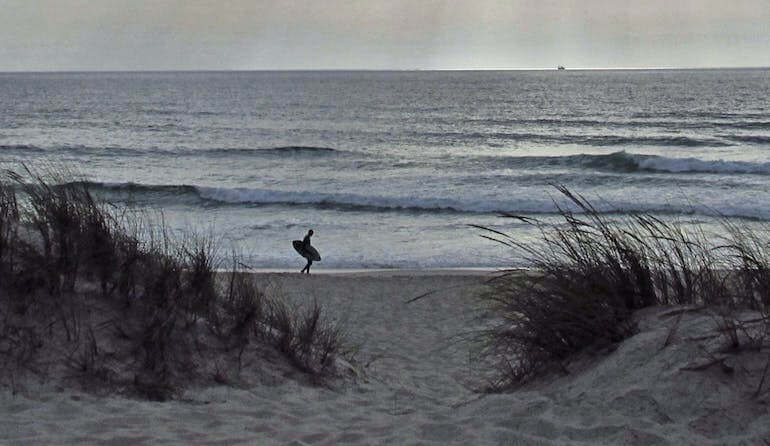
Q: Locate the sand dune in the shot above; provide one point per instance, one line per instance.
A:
(413, 383)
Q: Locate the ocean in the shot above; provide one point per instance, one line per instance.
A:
(390, 169)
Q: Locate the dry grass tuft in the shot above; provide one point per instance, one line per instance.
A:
(590, 272)
(56, 238)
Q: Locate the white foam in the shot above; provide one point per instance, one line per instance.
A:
(544, 205)
(342, 199)
(695, 165)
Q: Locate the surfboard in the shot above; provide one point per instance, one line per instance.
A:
(311, 253)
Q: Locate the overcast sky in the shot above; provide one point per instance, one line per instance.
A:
(42, 35)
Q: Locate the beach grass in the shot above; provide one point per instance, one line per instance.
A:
(591, 271)
(116, 296)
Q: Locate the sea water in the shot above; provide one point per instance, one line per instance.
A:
(391, 169)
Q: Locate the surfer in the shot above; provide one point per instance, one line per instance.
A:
(306, 248)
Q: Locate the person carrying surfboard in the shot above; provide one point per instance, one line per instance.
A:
(307, 251)
(306, 248)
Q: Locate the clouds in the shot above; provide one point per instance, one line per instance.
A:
(249, 34)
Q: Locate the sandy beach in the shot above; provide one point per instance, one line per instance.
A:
(523, 222)
(412, 381)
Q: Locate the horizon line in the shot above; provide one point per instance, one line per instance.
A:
(267, 70)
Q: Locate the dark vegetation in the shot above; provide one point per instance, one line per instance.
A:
(114, 299)
(591, 272)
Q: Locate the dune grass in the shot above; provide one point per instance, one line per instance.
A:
(590, 272)
(121, 298)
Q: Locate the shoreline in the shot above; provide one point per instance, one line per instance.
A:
(382, 272)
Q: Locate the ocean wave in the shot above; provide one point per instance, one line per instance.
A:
(139, 151)
(257, 196)
(78, 150)
(751, 139)
(632, 123)
(139, 189)
(190, 195)
(23, 148)
(588, 140)
(761, 125)
(349, 201)
(616, 140)
(700, 114)
(291, 150)
(657, 163)
(631, 162)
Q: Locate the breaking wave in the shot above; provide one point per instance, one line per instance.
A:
(161, 195)
(631, 162)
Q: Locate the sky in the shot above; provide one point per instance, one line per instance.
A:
(84, 35)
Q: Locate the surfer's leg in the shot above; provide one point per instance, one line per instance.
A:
(309, 262)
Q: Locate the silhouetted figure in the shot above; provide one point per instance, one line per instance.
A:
(305, 247)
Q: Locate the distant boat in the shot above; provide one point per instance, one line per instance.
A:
(560, 67)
